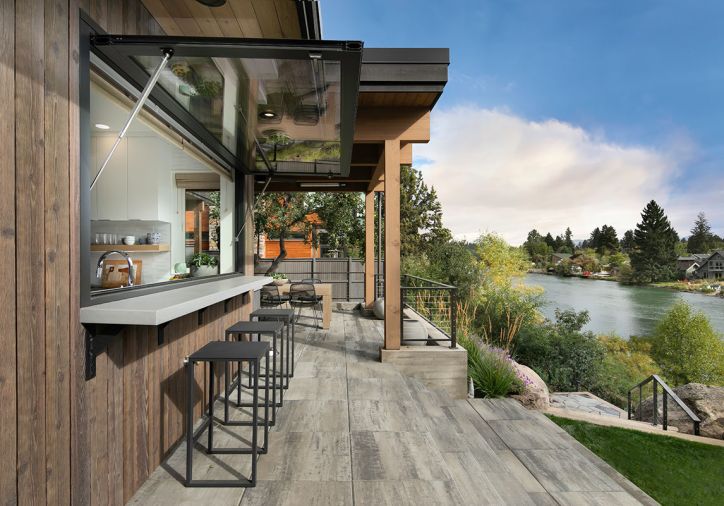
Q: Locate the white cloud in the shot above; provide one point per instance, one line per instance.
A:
(495, 171)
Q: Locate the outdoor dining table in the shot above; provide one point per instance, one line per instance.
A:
(325, 291)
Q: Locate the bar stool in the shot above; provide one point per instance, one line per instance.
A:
(220, 351)
(267, 328)
(287, 317)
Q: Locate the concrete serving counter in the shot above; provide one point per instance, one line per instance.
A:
(161, 307)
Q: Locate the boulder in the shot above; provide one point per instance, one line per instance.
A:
(535, 394)
(707, 402)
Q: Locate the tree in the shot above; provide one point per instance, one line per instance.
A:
(604, 240)
(499, 261)
(627, 241)
(550, 241)
(538, 251)
(342, 215)
(701, 239)
(569, 245)
(420, 214)
(278, 214)
(654, 256)
(687, 349)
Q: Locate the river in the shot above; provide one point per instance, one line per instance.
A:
(621, 309)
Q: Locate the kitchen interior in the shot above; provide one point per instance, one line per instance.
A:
(159, 206)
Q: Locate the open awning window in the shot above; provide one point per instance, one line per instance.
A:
(281, 106)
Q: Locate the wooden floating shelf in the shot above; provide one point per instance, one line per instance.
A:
(137, 248)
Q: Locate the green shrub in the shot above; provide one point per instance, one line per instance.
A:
(566, 358)
(687, 348)
(491, 370)
(626, 363)
(502, 311)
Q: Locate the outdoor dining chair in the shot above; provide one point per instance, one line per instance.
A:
(303, 295)
(271, 297)
(312, 281)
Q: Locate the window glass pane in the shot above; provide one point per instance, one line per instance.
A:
(290, 107)
(163, 207)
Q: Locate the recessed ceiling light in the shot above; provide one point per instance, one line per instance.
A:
(101, 126)
(267, 114)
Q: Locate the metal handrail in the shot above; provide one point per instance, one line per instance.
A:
(667, 392)
(451, 291)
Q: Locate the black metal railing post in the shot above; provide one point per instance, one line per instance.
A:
(453, 318)
(629, 404)
(656, 405)
(665, 421)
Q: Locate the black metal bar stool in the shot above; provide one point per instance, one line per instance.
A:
(220, 351)
(268, 328)
(287, 317)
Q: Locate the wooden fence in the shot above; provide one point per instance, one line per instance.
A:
(346, 275)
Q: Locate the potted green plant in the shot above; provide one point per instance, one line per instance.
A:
(203, 264)
(279, 279)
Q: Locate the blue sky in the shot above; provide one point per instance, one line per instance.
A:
(629, 90)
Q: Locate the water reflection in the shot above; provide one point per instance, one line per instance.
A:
(625, 310)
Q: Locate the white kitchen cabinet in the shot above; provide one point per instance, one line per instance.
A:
(147, 158)
(109, 198)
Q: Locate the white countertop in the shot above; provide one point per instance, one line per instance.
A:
(161, 307)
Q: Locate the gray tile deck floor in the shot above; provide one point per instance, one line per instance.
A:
(355, 431)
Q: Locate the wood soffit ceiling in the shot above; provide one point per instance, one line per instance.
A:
(269, 19)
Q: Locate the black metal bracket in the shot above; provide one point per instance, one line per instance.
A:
(201, 315)
(226, 305)
(160, 332)
(97, 338)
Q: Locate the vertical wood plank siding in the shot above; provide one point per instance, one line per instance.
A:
(8, 392)
(65, 440)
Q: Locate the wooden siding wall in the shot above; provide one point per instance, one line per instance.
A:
(65, 440)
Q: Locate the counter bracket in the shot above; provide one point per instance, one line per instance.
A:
(160, 332)
(227, 302)
(97, 338)
(201, 315)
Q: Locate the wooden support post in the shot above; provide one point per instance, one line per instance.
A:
(369, 248)
(393, 324)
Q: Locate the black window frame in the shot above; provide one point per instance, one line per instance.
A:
(116, 50)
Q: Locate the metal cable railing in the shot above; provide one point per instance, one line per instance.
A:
(435, 302)
(666, 392)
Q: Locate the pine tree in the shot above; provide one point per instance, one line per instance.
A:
(701, 239)
(569, 241)
(627, 242)
(421, 225)
(654, 256)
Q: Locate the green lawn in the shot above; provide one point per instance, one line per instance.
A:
(670, 470)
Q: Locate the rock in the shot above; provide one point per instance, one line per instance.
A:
(707, 402)
(536, 394)
(378, 308)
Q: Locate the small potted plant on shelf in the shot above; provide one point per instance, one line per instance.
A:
(279, 279)
(203, 264)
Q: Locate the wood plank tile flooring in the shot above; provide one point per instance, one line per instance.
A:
(354, 431)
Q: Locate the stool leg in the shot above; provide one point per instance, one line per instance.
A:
(255, 422)
(211, 407)
(274, 380)
(294, 350)
(266, 403)
(226, 392)
(189, 420)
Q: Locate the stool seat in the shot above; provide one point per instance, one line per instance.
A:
(231, 350)
(255, 327)
(281, 314)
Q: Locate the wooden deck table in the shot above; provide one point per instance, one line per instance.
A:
(325, 291)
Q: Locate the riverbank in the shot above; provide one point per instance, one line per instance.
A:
(700, 287)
